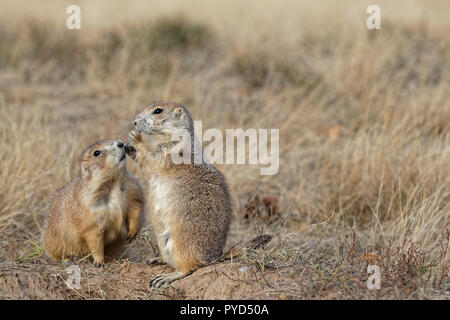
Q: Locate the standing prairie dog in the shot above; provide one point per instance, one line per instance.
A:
(190, 205)
(100, 207)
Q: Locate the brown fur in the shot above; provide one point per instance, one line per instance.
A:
(190, 204)
(101, 207)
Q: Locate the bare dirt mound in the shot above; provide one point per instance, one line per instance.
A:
(127, 280)
(26, 273)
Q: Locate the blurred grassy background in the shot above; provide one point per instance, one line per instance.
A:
(364, 116)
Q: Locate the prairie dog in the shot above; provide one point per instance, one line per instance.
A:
(101, 207)
(190, 207)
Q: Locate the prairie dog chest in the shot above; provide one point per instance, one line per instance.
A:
(112, 209)
(117, 200)
(160, 194)
(162, 202)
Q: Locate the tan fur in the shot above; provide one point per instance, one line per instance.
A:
(190, 205)
(100, 207)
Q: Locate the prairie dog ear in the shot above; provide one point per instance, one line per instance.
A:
(179, 112)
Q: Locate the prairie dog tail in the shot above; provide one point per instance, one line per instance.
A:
(253, 244)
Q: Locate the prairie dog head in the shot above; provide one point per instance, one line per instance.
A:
(105, 159)
(164, 118)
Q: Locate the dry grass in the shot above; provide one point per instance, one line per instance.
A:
(364, 119)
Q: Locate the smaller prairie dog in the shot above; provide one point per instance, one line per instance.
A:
(101, 207)
(190, 204)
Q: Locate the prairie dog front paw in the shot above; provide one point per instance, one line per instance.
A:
(130, 151)
(134, 136)
(132, 231)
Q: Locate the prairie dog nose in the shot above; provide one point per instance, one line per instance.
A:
(120, 144)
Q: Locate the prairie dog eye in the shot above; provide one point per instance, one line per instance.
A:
(157, 110)
(96, 153)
